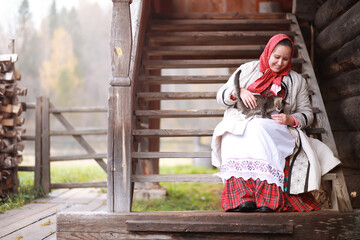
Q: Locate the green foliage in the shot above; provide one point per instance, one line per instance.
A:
(26, 194)
(59, 75)
(184, 196)
(76, 173)
(180, 196)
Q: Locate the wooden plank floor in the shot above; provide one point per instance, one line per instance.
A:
(37, 220)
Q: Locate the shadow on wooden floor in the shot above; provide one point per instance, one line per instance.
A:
(37, 220)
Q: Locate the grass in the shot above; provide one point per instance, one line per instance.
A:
(26, 193)
(180, 196)
(184, 196)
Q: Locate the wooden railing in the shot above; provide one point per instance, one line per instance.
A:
(43, 133)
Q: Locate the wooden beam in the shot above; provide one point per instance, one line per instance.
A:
(79, 185)
(180, 113)
(329, 11)
(310, 225)
(78, 109)
(172, 132)
(348, 144)
(341, 31)
(45, 146)
(79, 138)
(77, 157)
(208, 227)
(176, 178)
(227, 15)
(120, 125)
(150, 155)
(38, 143)
(343, 86)
(220, 25)
(344, 114)
(79, 132)
(345, 59)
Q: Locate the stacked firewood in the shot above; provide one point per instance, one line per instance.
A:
(10, 125)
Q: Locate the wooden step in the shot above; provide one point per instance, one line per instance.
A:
(175, 95)
(227, 15)
(180, 113)
(207, 63)
(195, 226)
(187, 113)
(149, 155)
(172, 132)
(205, 79)
(220, 37)
(220, 25)
(193, 132)
(252, 50)
(241, 51)
(176, 178)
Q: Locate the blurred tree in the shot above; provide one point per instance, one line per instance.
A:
(95, 53)
(60, 79)
(53, 18)
(29, 50)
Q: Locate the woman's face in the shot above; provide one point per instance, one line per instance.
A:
(279, 58)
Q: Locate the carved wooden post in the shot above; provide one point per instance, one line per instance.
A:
(120, 110)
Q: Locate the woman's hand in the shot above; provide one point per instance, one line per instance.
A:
(283, 119)
(248, 98)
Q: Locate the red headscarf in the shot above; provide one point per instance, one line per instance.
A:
(269, 77)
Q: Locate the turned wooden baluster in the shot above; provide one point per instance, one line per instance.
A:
(120, 110)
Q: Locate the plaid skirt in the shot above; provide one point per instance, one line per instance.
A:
(237, 191)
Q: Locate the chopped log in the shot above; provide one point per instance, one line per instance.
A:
(344, 115)
(345, 59)
(10, 90)
(342, 30)
(19, 121)
(344, 86)
(8, 76)
(11, 58)
(8, 122)
(17, 75)
(10, 136)
(13, 148)
(330, 10)
(21, 91)
(16, 109)
(348, 144)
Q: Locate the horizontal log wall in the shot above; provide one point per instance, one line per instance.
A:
(337, 60)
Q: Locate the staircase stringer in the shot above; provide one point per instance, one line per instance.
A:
(341, 200)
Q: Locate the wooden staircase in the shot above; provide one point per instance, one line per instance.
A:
(213, 42)
(199, 41)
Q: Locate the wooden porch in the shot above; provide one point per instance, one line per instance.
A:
(37, 220)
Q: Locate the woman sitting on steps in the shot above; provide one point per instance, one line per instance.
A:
(268, 164)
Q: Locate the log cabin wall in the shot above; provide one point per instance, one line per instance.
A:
(337, 63)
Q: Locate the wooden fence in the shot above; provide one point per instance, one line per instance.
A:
(43, 133)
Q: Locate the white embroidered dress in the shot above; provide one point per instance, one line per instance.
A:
(256, 147)
(259, 152)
